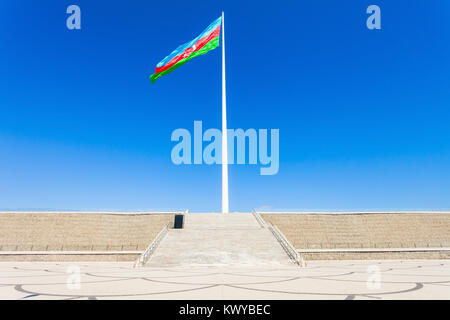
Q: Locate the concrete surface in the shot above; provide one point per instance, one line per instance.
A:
(410, 279)
(212, 239)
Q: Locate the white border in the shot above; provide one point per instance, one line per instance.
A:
(349, 212)
(15, 253)
(371, 250)
(96, 212)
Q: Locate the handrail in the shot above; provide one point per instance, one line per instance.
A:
(287, 246)
(147, 253)
(258, 218)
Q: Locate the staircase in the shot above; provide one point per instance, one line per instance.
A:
(214, 239)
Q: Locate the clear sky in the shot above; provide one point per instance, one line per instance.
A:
(363, 114)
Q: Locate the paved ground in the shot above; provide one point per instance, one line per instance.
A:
(419, 279)
(212, 239)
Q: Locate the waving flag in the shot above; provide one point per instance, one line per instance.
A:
(206, 41)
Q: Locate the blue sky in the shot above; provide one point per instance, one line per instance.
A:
(363, 114)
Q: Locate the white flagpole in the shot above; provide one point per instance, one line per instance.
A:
(224, 129)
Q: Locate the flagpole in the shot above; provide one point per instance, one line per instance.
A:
(224, 129)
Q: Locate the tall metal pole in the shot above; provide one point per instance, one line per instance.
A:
(224, 128)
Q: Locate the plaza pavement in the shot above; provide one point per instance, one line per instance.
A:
(408, 279)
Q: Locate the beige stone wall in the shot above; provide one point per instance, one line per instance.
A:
(79, 231)
(376, 230)
(70, 257)
(376, 255)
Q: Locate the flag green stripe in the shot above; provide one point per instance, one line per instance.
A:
(214, 43)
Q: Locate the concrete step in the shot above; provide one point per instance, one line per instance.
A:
(220, 221)
(219, 240)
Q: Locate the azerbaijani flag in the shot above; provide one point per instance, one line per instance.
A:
(206, 41)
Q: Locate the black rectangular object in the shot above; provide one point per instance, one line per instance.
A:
(178, 222)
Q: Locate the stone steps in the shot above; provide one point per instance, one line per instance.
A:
(214, 239)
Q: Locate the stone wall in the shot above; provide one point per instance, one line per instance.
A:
(435, 255)
(365, 230)
(79, 231)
